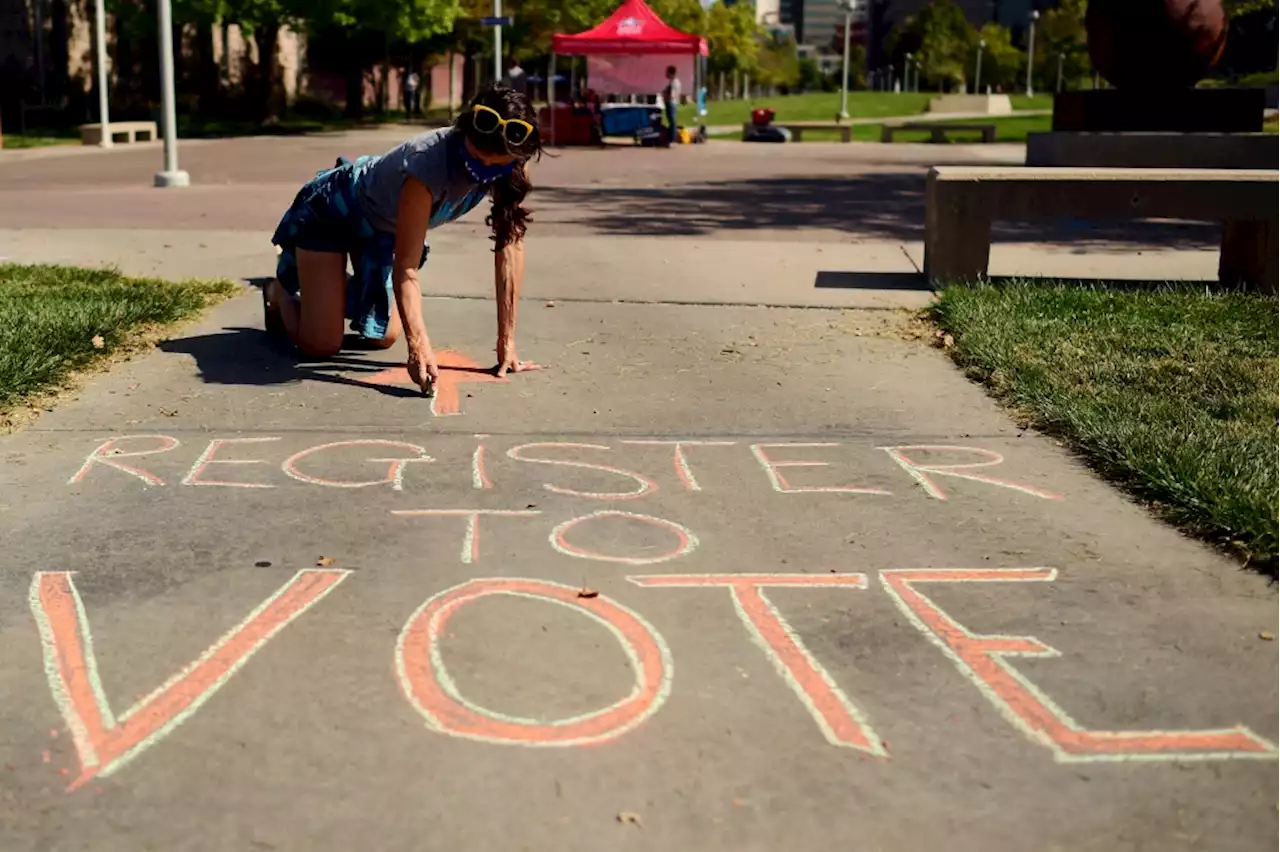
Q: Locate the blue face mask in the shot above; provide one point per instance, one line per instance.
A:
(482, 172)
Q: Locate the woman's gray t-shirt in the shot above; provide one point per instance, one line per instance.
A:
(433, 157)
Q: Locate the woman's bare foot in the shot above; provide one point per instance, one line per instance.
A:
(272, 294)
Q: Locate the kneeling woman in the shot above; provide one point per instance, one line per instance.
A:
(377, 210)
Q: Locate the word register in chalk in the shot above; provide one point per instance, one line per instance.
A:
(936, 471)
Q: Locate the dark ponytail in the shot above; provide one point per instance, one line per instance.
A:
(508, 216)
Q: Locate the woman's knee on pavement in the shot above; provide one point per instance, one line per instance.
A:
(324, 347)
(387, 340)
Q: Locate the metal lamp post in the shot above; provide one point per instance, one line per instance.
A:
(977, 74)
(497, 44)
(100, 51)
(1031, 51)
(848, 6)
(1062, 58)
(906, 73)
(172, 175)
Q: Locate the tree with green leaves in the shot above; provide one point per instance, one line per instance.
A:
(778, 63)
(941, 38)
(363, 33)
(733, 38)
(688, 16)
(1061, 37)
(1002, 61)
(1245, 7)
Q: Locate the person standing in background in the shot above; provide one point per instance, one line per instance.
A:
(515, 77)
(412, 104)
(671, 100)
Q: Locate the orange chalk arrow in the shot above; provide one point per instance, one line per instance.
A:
(455, 369)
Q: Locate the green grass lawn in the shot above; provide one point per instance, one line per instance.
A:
(56, 319)
(823, 106)
(1012, 128)
(1008, 129)
(1171, 394)
(37, 140)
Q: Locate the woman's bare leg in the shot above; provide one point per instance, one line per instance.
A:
(314, 322)
(393, 331)
(393, 320)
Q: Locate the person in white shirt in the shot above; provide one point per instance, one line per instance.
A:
(671, 99)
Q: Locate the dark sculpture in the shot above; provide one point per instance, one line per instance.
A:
(1155, 45)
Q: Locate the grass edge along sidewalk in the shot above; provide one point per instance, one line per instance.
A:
(1169, 393)
(58, 320)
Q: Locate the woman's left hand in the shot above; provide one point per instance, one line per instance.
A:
(509, 362)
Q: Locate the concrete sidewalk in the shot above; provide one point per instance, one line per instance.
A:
(721, 577)
(871, 501)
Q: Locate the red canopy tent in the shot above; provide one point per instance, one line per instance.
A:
(633, 29)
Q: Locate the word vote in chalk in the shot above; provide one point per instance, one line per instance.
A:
(106, 743)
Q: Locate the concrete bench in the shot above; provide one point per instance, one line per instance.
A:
(938, 130)
(962, 201)
(127, 132)
(797, 128)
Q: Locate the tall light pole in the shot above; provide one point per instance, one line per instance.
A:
(1031, 51)
(172, 175)
(497, 47)
(100, 50)
(977, 74)
(39, 34)
(1062, 58)
(906, 73)
(848, 6)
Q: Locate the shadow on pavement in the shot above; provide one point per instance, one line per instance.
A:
(887, 205)
(247, 356)
(833, 280)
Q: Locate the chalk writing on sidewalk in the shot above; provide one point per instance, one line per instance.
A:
(982, 659)
(431, 691)
(106, 742)
(583, 476)
(910, 472)
(456, 370)
(842, 723)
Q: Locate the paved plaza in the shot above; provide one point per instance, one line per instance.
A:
(749, 566)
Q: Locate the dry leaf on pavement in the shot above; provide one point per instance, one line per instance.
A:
(628, 818)
(325, 561)
(1267, 636)
(585, 592)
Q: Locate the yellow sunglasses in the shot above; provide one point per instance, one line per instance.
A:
(487, 120)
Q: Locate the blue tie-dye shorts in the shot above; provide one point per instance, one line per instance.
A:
(326, 216)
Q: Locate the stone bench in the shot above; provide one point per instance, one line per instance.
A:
(127, 132)
(938, 130)
(962, 201)
(797, 128)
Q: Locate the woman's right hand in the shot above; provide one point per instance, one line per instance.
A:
(423, 371)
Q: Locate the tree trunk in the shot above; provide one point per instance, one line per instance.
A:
(206, 67)
(354, 76)
(384, 90)
(267, 72)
